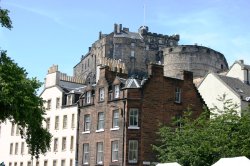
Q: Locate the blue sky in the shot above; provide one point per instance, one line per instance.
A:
(59, 32)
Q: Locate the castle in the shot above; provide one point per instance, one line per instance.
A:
(135, 50)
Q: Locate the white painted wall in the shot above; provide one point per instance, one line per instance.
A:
(211, 88)
(236, 72)
(67, 155)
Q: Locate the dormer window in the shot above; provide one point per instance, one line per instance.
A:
(117, 91)
(101, 94)
(88, 97)
(69, 99)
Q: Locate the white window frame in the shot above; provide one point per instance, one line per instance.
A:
(55, 144)
(57, 123)
(48, 123)
(57, 102)
(65, 120)
(49, 104)
(115, 120)
(87, 123)
(100, 123)
(178, 95)
(88, 97)
(117, 91)
(133, 118)
(99, 153)
(133, 151)
(85, 159)
(64, 143)
(115, 151)
(101, 94)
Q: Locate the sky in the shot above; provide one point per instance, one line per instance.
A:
(47, 32)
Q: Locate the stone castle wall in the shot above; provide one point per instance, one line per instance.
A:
(197, 59)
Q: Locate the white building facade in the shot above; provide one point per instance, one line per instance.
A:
(60, 94)
(234, 84)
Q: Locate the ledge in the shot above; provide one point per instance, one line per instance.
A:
(133, 127)
(86, 132)
(98, 131)
(116, 128)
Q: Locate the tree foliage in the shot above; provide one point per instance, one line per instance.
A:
(20, 104)
(5, 20)
(203, 141)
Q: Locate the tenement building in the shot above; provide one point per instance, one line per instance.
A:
(120, 115)
(138, 49)
(61, 93)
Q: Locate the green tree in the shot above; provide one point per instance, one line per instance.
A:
(19, 102)
(5, 20)
(203, 141)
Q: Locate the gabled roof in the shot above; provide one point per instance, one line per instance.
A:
(238, 86)
(241, 63)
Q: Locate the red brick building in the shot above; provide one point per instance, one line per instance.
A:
(119, 116)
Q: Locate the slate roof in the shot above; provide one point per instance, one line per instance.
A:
(238, 86)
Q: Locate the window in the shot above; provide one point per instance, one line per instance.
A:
(22, 148)
(71, 142)
(45, 163)
(132, 53)
(21, 163)
(177, 95)
(12, 129)
(63, 143)
(101, 94)
(62, 162)
(65, 118)
(115, 119)
(17, 130)
(114, 151)
(37, 163)
(49, 104)
(71, 162)
(54, 162)
(55, 144)
(29, 163)
(10, 164)
(87, 122)
(85, 153)
(100, 125)
(69, 99)
(73, 121)
(57, 102)
(88, 97)
(132, 45)
(133, 117)
(15, 164)
(117, 91)
(11, 148)
(133, 151)
(16, 148)
(57, 123)
(47, 123)
(99, 157)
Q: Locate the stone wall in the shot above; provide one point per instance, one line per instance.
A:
(198, 59)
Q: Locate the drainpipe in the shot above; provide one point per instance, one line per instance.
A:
(123, 134)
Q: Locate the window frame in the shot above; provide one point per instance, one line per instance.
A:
(64, 143)
(135, 118)
(85, 159)
(101, 94)
(133, 151)
(115, 119)
(99, 153)
(57, 122)
(87, 123)
(55, 148)
(88, 97)
(115, 151)
(178, 95)
(57, 102)
(49, 101)
(65, 121)
(116, 91)
(101, 121)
